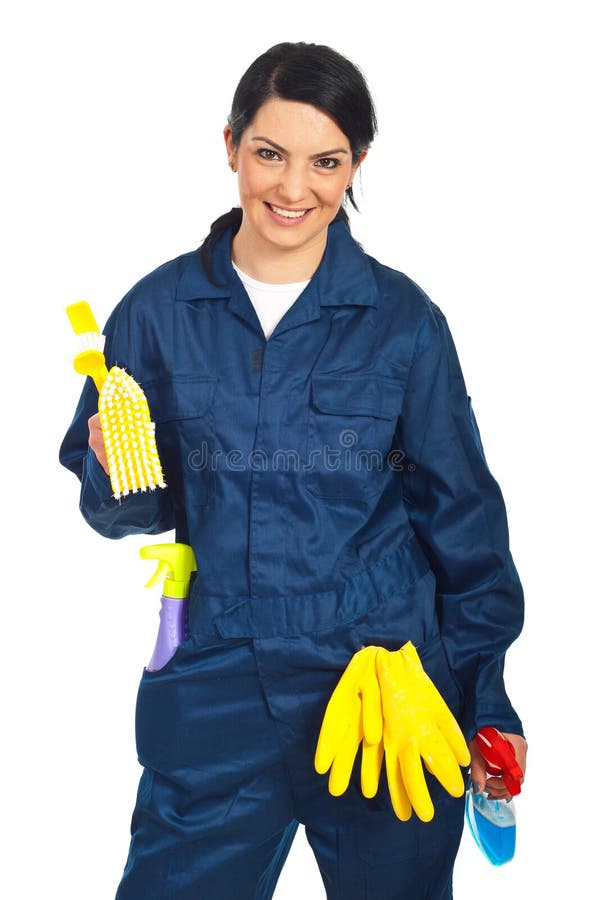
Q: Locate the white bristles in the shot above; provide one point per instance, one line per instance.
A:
(129, 435)
(89, 340)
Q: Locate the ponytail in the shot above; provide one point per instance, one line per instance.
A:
(233, 220)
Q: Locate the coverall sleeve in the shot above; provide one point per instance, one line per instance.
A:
(456, 508)
(145, 512)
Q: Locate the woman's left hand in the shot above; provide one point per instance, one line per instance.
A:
(494, 784)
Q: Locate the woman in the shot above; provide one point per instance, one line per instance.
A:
(323, 461)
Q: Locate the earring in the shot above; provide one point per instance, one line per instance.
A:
(233, 166)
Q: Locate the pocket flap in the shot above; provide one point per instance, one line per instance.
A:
(179, 398)
(358, 395)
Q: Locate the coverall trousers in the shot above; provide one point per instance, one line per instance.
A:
(226, 733)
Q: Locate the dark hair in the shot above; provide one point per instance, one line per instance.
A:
(309, 73)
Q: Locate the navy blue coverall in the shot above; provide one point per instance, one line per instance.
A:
(332, 483)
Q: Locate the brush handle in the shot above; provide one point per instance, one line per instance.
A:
(92, 363)
(82, 318)
(90, 360)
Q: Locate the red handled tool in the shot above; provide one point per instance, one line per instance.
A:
(500, 756)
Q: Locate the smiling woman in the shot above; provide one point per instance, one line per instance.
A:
(301, 367)
(294, 166)
(303, 113)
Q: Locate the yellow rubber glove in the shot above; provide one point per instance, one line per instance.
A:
(417, 724)
(353, 717)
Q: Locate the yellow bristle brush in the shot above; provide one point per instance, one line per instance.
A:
(127, 430)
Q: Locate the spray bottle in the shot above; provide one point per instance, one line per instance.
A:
(176, 562)
(492, 823)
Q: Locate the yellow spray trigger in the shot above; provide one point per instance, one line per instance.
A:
(161, 573)
(176, 563)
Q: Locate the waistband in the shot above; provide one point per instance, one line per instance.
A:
(285, 615)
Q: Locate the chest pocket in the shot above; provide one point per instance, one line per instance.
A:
(182, 409)
(350, 431)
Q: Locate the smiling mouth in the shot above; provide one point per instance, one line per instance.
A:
(288, 213)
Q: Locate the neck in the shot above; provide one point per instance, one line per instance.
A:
(276, 265)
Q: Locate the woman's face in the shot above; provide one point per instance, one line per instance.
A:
(294, 164)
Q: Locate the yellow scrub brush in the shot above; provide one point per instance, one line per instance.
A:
(127, 430)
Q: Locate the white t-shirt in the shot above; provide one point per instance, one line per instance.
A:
(271, 301)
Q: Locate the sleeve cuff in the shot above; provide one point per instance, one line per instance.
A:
(504, 718)
(95, 478)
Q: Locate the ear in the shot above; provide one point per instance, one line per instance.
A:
(230, 148)
(363, 156)
(356, 166)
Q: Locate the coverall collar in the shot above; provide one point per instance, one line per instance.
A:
(343, 278)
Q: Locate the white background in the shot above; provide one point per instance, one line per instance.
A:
(483, 185)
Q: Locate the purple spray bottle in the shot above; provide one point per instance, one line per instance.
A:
(176, 562)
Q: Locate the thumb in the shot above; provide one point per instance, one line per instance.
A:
(478, 769)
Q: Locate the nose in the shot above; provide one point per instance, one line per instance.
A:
(292, 187)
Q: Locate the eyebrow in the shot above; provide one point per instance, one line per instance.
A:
(313, 155)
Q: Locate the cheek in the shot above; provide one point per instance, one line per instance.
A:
(252, 182)
(334, 191)
(335, 194)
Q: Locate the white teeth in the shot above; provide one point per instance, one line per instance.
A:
(287, 213)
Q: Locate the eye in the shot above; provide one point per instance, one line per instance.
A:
(267, 153)
(328, 162)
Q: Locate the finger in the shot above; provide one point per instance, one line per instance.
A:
(442, 763)
(414, 780)
(397, 687)
(383, 664)
(452, 733)
(496, 789)
(94, 426)
(342, 764)
(344, 707)
(391, 676)
(520, 749)
(445, 719)
(329, 739)
(372, 758)
(371, 701)
(96, 441)
(399, 797)
(478, 769)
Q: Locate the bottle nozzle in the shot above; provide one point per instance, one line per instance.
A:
(176, 562)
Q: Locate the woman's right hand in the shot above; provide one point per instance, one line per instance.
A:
(96, 441)
(494, 784)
